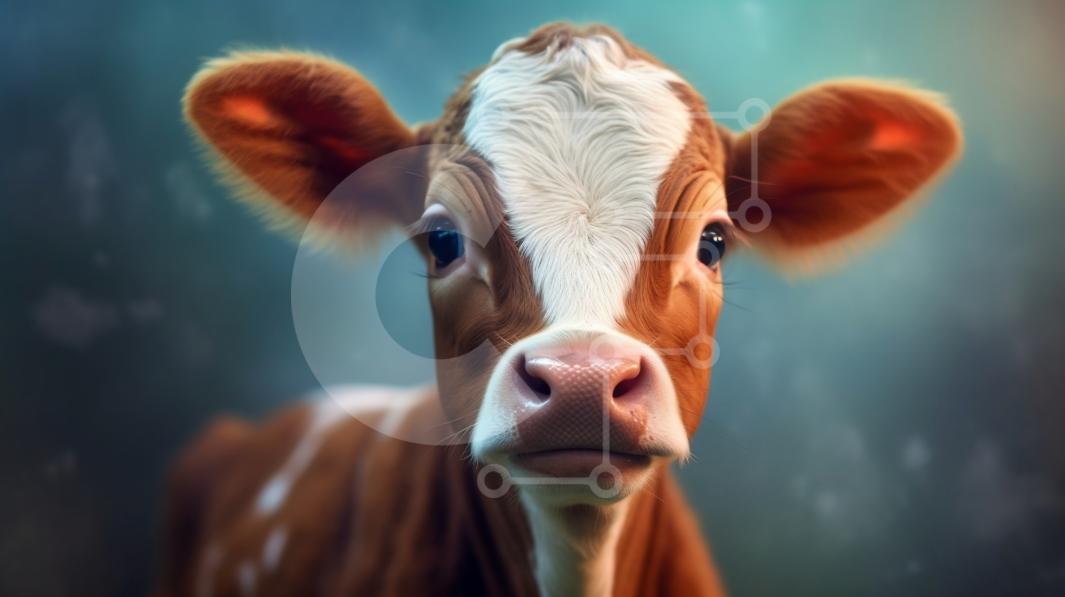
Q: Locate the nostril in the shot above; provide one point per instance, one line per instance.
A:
(537, 384)
(629, 379)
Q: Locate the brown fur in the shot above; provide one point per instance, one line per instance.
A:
(426, 531)
(663, 309)
(553, 37)
(469, 313)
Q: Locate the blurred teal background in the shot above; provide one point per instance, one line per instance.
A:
(897, 427)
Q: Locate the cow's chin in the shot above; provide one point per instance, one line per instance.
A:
(578, 477)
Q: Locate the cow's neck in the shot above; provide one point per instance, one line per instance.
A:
(648, 544)
(575, 547)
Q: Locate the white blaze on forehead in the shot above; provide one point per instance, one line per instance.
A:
(579, 139)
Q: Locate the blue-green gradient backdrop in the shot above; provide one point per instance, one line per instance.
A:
(893, 428)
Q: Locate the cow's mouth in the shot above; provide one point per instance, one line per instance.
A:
(580, 462)
(568, 453)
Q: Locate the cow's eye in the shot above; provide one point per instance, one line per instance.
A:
(712, 244)
(445, 243)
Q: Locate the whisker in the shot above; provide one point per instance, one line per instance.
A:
(689, 410)
(652, 494)
(457, 434)
(502, 339)
(721, 297)
(449, 422)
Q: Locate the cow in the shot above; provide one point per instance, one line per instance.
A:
(573, 205)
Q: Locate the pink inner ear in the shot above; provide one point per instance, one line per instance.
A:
(249, 110)
(892, 135)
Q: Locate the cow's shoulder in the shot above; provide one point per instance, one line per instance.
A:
(255, 502)
(195, 472)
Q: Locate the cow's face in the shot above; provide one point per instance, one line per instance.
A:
(573, 205)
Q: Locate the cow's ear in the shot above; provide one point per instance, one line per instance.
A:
(832, 163)
(287, 128)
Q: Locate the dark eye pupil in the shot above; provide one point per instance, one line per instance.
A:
(446, 245)
(712, 244)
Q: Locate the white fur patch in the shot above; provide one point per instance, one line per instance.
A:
(579, 139)
(381, 407)
(274, 548)
(246, 578)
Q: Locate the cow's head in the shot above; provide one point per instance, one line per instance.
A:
(573, 207)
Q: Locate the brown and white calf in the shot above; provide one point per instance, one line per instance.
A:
(572, 203)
